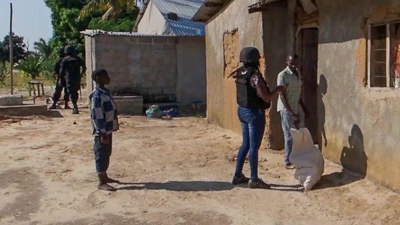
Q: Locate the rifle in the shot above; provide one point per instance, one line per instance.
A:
(233, 73)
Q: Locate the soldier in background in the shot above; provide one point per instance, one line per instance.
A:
(61, 83)
(71, 69)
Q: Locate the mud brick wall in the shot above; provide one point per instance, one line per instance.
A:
(226, 35)
(145, 66)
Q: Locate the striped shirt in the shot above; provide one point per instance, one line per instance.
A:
(103, 112)
(293, 85)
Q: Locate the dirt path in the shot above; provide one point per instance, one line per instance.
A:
(178, 173)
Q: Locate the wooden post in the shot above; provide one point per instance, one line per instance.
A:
(11, 52)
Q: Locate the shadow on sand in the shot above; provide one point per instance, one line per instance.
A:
(200, 186)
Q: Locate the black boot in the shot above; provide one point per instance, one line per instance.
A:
(53, 106)
(66, 106)
(103, 183)
(75, 109)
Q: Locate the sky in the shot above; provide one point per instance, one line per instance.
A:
(31, 20)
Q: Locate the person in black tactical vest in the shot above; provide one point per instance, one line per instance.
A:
(253, 98)
(71, 69)
(61, 83)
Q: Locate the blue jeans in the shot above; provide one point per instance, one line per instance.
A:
(287, 123)
(253, 126)
(102, 154)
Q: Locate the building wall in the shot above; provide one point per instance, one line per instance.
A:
(161, 69)
(89, 56)
(191, 84)
(145, 66)
(361, 124)
(221, 90)
(152, 22)
(278, 43)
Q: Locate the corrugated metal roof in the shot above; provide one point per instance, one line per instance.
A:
(92, 33)
(185, 9)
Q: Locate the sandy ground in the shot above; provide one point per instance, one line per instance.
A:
(176, 172)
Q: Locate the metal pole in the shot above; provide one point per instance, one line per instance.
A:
(11, 51)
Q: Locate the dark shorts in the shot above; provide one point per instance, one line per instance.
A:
(102, 154)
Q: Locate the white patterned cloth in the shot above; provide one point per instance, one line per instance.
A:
(103, 112)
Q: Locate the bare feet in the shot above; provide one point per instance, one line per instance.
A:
(109, 180)
(106, 187)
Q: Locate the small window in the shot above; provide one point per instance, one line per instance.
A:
(384, 52)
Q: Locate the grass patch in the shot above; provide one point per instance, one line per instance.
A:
(21, 81)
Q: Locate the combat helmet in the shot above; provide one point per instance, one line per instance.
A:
(250, 55)
(69, 50)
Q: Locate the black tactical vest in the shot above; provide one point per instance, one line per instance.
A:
(72, 66)
(246, 95)
(57, 67)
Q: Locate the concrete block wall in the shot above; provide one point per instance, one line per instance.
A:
(145, 66)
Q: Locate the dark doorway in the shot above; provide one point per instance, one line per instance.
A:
(308, 52)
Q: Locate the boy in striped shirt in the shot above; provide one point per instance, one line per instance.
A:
(104, 122)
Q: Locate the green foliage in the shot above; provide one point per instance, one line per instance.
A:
(20, 50)
(66, 30)
(67, 26)
(31, 66)
(36, 65)
(121, 25)
(110, 9)
(4, 56)
(43, 48)
(19, 53)
(4, 70)
(47, 68)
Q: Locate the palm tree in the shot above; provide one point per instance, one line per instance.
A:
(43, 48)
(31, 65)
(112, 8)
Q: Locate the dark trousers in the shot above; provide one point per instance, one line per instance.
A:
(102, 154)
(73, 88)
(61, 84)
(253, 126)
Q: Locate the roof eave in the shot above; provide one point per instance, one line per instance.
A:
(93, 33)
(264, 5)
(200, 16)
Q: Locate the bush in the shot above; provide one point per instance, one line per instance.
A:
(47, 69)
(3, 72)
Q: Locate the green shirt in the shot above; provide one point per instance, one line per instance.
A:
(293, 86)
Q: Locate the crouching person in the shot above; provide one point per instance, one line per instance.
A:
(104, 121)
